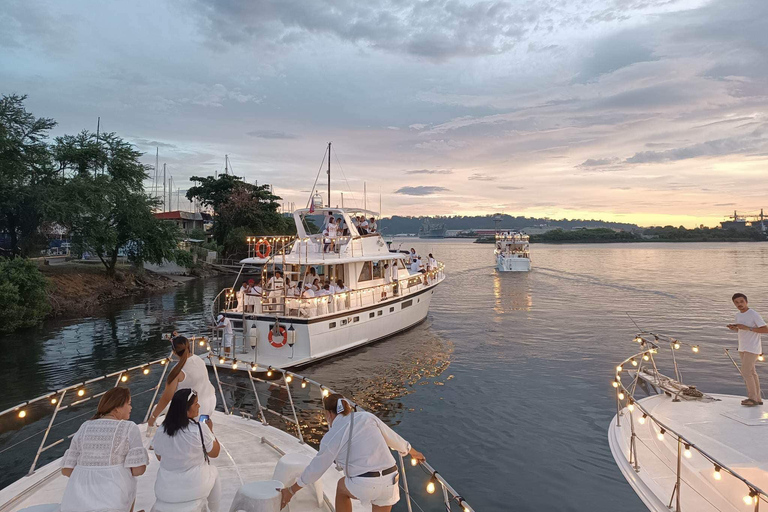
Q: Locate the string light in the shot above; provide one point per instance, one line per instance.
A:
(288, 378)
(761, 358)
(716, 475)
(615, 384)
(54, 400)
(234, 364)
(124, 378)
(432, 484)
(253, 367)
(414, 462)
(695, 349)
(638, 339)
(621, 395)
(162, 361)
(660, 435)
(687, 451)
(269, 372)
(751, 499)
(634, 363)
(202, 342)
(646, 357)
(641, 420)
(81, 392)
(676, 345)
(22, 413)
(619, 368)
(326, 392)
(631, 405)
(303, 383)
(221, 360)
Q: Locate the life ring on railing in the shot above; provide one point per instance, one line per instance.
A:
(267, 250)
(281, 343)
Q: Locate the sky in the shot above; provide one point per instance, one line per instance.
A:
(643, 111)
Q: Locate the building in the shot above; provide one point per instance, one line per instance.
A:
(186, 221)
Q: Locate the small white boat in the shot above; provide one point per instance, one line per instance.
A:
(512, 252)
(381, 297)
(683, 450)
(252, 441)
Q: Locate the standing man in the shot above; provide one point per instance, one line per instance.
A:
(749, 325)
(228, 333)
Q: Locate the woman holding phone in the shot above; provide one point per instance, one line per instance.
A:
(192, 372)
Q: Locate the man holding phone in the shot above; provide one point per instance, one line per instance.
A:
(749, 324)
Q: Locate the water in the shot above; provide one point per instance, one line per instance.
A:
(506, 386)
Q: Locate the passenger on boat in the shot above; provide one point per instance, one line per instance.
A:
(360, 443)
(104, 459)
(225, 325)
(333, 232)
(372, 226)
(308, 307)
(387, 281)
(190, 370)
(316, 285)
(310, 276)
(749, 324)
(432, 262)
(363, 226)
(414, 265)
(186, 480)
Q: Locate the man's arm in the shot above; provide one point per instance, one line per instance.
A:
(763, 329)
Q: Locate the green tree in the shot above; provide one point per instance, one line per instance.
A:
(27, 175)
(107, 210)
(240, 209)
(22, 294)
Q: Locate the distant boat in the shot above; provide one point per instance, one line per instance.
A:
(512, 252)
(429, 230)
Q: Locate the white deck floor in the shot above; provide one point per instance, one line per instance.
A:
(243, 458)
(733, 434)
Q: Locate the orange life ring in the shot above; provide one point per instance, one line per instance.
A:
(267, 250)
(278, 344)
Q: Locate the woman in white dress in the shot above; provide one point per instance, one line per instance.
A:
(190, 370)
(186, 480)
(104, 459)
(359, 442)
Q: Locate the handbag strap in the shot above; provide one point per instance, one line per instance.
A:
(202, 442)
(349, 441)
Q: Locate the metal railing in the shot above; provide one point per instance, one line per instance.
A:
(685, 446)
(275, 378)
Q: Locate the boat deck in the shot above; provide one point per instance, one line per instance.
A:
(732, 434)
(243, 458)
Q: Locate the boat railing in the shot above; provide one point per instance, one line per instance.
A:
(627, 404)
(275, 301)
(278, 397)
(327, 247)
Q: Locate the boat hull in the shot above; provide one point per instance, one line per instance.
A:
(326, 336)
(512, 264)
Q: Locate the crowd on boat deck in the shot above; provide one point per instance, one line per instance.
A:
(107, 454)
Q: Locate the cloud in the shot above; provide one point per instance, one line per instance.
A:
(271, 134)
(481, 177)
(420, 190)
(430, 171)
(599, 162)
(719, 147)
(509, 187)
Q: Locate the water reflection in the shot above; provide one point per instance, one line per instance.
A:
(512, 291)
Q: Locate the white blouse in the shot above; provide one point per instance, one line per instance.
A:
(371, 442)
(106, 442)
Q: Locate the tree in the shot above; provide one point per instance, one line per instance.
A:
(22, 294)
(27, 174)
(240, 209)
(107, 210)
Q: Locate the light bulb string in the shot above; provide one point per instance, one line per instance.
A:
(663, 428)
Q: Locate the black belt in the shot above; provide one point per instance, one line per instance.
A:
(372, 474)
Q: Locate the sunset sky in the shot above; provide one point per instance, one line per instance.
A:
(645, 111)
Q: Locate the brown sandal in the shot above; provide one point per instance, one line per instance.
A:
(749, 402)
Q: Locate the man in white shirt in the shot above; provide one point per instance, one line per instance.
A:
(749, 324)
(372, 226)
(228, 333)
(415, 265)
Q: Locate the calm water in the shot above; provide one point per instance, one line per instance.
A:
(506, 386)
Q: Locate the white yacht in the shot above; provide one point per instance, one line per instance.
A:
(263, 444)
(512, 252)
(286, 327)
(681, 449)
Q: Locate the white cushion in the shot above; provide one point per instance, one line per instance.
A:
(289, 469)
(262, 496)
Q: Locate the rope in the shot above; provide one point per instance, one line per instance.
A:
(345, 177)
(314, 185)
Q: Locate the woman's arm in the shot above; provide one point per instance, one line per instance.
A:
(139, 470)
(67, 472)
(215, 450)
(165, 399)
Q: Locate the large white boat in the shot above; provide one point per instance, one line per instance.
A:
(681, 449)
(283, 327)
(512, 252)
(264, 419)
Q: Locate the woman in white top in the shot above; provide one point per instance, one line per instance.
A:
(359, 442)
(104, 459)
(186, 479)
(190, 370)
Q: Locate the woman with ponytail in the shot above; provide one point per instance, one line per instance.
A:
(104, 459)
(360, 443)
(191, 371)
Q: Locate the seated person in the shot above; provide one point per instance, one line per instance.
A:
(316, 285)
(184, 448)
(104, 459)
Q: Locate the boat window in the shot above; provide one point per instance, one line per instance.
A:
(332, 325)
(365, 273)
(344, 322)
(378, 270)
(391, 309)
(379, 313)
(371, 314)
(407, 304)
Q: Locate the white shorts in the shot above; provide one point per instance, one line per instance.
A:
(381, 491)
(228, 340)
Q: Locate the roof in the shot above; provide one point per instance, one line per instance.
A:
(179, 215)
(350, 211)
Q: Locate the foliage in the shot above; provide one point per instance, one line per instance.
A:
(586, 236)
(107, 210)
(22, 294)
(183, 258)
(240, 209)
(671, 233)
(27, 174)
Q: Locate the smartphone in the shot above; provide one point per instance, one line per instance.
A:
(204, 417)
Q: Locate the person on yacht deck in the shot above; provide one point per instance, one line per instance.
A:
(316, 285)
(104, 459)
(414, 264)
(750, 325)
(432, 262)
(360, 443)
(363, 226)
(387, 281)
(333, 232)
(224, 324)
(310, 276)
(186, 480)
(372, 226)
(190, 370)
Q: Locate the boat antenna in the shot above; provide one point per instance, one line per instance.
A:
(638, 327)
(314, 185)
(329, 175)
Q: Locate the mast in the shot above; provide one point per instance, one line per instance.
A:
(329, 175)
(157, 159)
(365, 197)
(163, 187)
